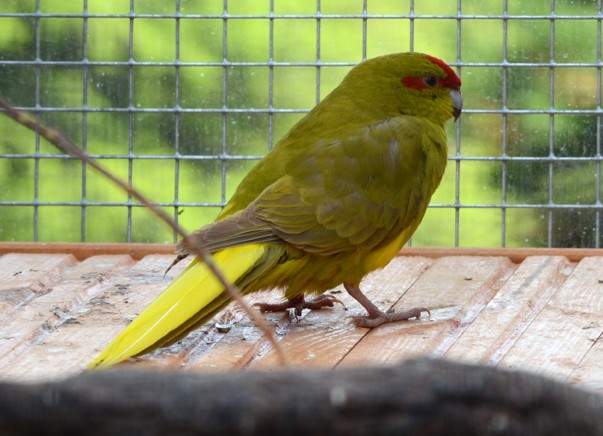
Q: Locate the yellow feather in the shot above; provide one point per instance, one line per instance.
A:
(194, 289)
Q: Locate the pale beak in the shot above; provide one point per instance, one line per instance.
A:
(457, 103)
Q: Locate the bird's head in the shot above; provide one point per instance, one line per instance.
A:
(414, 84)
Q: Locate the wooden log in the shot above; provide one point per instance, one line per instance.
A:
(415, 397)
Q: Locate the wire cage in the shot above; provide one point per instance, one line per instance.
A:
(180, 98)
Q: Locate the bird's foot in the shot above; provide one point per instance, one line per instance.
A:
(378, 317)
(299, 303)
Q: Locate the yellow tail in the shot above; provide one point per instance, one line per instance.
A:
(180, 307)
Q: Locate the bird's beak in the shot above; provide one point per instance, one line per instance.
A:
(457, 103)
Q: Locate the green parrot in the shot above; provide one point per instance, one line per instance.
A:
(337, 197)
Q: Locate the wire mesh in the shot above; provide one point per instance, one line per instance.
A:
(187, 95)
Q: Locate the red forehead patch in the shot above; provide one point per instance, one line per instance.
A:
(452, 80)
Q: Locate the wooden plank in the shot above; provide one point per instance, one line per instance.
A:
(226, 351)
(511, 311)
(516, 255)
(564, 332)
(42, 315)
(456, 289)
(67, 348)
(543, 314)
(588, 373)
(83, 250)
(234, 349)
(26, 276)
(207, 349)
(136, 289)
(322, 338)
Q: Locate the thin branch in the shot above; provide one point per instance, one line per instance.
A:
(64, 144)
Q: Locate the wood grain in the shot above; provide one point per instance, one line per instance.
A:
(566, 329)
(541, 313)
(512, 309)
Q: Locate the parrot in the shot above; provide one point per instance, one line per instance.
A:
(336, 198)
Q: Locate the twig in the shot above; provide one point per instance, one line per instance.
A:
(64, 144)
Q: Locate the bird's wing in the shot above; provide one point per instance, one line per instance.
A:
(351, 193)
(356, 192)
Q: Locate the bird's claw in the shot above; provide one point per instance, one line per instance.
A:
(377, 319)
(298, 304)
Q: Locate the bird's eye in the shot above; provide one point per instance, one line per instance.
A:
(431, 81)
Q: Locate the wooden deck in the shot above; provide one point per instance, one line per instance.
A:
(540, 310)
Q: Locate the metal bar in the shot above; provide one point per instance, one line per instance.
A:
(364, 28)
(551, 126)
(271, 78)
(84, 121)
(505, 124)
(133, 110)
(130, 116)
(177, 121)
(224, 98)
(36, 214)
(457, 174)
(411, 48)
(505, 159)
(134, 156)
(494, 17)
(227, 63)
(411, 24)
(318, 50)
(214, 204)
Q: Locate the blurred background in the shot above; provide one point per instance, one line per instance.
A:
(182, 97)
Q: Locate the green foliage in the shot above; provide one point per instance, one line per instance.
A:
(113, 133)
